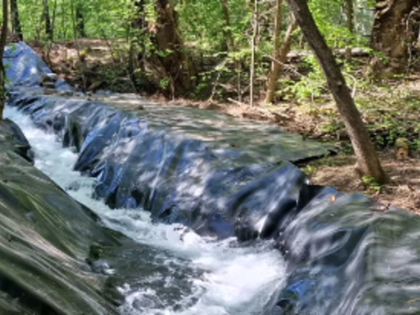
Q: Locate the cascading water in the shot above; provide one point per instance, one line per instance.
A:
(224, 278)
(221, 178)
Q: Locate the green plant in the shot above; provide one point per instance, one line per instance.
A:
(309, 170)
(332, 127)
(416, 145)
(371, 183)
(164, 83)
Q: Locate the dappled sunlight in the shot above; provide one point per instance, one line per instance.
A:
(402, 191)
(209, 267)
(165, 223)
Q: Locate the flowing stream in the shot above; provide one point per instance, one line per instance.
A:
(228, 278)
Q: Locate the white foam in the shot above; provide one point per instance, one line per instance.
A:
(236, 280)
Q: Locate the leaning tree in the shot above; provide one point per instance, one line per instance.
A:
(368, 163)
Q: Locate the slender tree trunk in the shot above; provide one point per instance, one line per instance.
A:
(63, 22)
(254, 44)
(47, 20)
(228, 32)
(140, 24)
(137, 60)
(280, 55)
(74, 23)
(3, 40)
(80, 21)
(395, 31)
(368, 162)
(350, 15)
(54, 15)
(16, 27)
(348, 4)
(80, 64)
(272, 78)
(231, 43)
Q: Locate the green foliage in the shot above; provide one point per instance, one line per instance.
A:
(332, 127)
(103, 18)
(309, 170)
(204, 24)
(164, 83)
(208, 36)
(329, 17)
(416, 145)
(371, 183)
(391, 113)
(309, 87)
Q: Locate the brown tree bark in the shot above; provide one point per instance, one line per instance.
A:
(54, 15)
(16, 26)
(138, 51)
(349, 14)
(228, 32)
(170, 63)
(395, 31)
(140, 24)
(272, 78)
(47, 20)
(3, 40)
(280, 56)
(253, 49)
(368, 163)
(348, 4)
(80, 21)
(230, 41)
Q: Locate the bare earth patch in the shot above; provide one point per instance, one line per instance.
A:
(88, 64)
(402, 191)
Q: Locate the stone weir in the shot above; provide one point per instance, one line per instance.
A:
(219, 177)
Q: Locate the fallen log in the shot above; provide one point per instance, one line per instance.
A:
(358, 52)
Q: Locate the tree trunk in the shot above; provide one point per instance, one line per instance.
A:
(16, 26)
(172, 68)
(3, 39)
(80, 21)
(395, 31)
(54, 15)
(230, 41)
(272, 78)
(138, 53)
(368, 163)
(47, 20)
(280, 57)
(254, 44)
(228, 32)
(140, 24)
(350, 24)
(350, 15)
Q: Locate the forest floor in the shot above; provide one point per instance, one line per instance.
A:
(390, 111)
